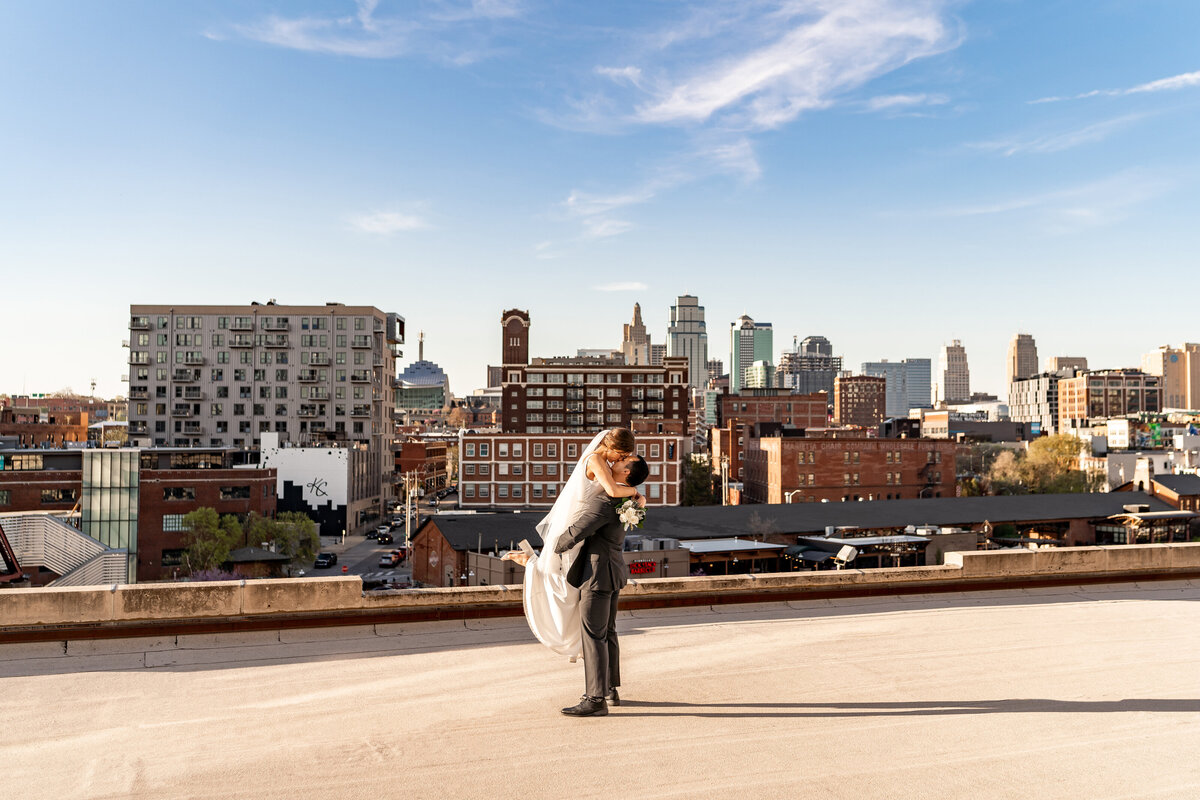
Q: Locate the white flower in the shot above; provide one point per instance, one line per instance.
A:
(630, 514)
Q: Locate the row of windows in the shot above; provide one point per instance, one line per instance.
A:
(49, 496)
(536, 491)
(227, 493)
(315, 358)
(217, 375)
(247, 323)
(576, 378)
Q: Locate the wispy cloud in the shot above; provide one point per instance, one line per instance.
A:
(367, 34)
(767, 69)
(388, 222)
(1057, 142)
(1186, 80)
(902, 102)
(1097, 203)
(628, 286)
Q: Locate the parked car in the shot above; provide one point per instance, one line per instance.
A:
(372, 534)
(389, 560)
(385, 538)
(325, 560)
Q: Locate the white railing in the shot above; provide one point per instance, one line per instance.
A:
(41, 539)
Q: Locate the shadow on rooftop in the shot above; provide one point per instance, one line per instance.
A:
(909, 709)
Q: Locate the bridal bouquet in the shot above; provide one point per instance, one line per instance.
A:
(630, 514)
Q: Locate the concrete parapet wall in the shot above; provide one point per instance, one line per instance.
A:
(318, 602)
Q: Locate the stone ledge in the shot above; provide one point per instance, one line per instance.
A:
(49, 614)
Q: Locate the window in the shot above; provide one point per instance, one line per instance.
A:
(484, 469)
(518, 469)
(552, 450)
(502, 450)
(845, 478)
(5, 497)
(812, 479)
(469, 469)
(537, 491)
(58, 495)
(173, 523)
(235, 492)
(537, 469)
(572, 449)
(470, 449)
(655, 491)
(516, 450)
(483, 490)
(654, 451)
(502, 469)
(502, 490)
(483, 449)
(179, 493)
(552, 469)
(537, 449)
(516, 491)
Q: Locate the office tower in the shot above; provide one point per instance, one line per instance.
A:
(657, 353)
(688, 337)
(1022, 358)
(810, 366)
(716, 368)
(954, 377)
(749, 341)
(1179, 368)
(1059, 363)
(858, 400)
(1109, 393)
(907, 383)
(635, 342)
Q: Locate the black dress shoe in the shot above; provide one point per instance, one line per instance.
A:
(614, 698)
(588, 707)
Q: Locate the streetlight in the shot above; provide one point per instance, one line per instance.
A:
(787, 497)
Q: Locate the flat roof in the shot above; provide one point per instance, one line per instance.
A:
(728, 545)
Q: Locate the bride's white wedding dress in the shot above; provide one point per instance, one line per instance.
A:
(552, 604)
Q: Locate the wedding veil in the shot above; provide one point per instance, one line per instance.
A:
(552, 604)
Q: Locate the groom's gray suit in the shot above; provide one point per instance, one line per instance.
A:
(598, 573)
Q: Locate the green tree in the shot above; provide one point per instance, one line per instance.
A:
(1049, 466)
(295, 535)
(697, 483)
(209, 538)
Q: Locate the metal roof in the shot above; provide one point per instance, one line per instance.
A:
(1179, 484)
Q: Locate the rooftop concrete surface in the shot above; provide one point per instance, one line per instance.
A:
(1066, 692)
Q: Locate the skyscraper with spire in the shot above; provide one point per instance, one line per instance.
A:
(635, 343)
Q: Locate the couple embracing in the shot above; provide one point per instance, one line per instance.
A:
(571, 588)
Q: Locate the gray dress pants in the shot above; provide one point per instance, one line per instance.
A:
(601, 654)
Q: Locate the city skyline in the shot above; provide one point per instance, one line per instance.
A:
(984, 170)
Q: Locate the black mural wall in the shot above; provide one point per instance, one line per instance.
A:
(330, 519)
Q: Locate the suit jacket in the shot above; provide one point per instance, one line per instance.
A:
(600, 566)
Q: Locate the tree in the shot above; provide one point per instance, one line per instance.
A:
(697, 483)
(209, 538)
(116, 434)
(291, 533)
(1049, 466)
(457, 418)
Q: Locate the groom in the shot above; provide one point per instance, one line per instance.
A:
(599, 573)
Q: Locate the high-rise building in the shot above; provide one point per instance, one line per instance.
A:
(1059, 363)
(221, 376)
(810, 366)
(907, 383)
(1022, 358)
(716, 368)
(1108, 393)
(1035, 400)
(688, 337)
(1179, 368)
(954, 377)
(657, 353)
(859, 400)
(760, 375)
(635, 342)
(749, 341)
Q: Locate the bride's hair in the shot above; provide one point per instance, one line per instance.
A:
(619, 440)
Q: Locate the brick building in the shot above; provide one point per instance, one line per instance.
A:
(507, 470)
(144, 507)
(832, 467)
(38, 427)
(728, 443)
(1109, 393)
(426, 459)
(776, 405)
(580, 394)
(859, 400)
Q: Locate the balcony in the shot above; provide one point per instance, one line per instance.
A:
(139, 393)
(195, 359)
(309, 412)
(276, 324)
(185, 375)
(360, 411)
(124, 343)
(278, 340)
(307, 375)
(242, 324)
(360, 376)
(241, 341)
(181, 411)
(139, 323)
(362, 342)
(319, 359)
(378, 361)
(138, 428)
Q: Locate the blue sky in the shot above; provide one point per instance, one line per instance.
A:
(889, 174)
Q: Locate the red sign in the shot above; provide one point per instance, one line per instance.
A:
(642, 567)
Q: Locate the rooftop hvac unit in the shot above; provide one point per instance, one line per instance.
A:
(1136, 508)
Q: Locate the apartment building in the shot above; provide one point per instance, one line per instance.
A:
(1107, 393)
(859, 400)
(521, 470)
(776, 405)
(221, 376)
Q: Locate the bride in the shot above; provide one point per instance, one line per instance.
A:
(552, 604)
